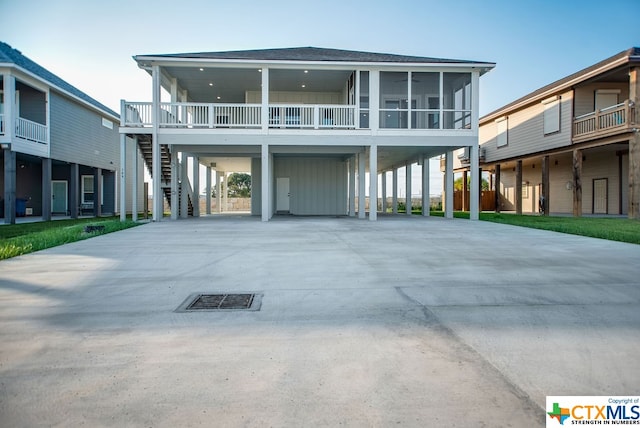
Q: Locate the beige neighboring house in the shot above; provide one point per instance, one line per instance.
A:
(571, 147)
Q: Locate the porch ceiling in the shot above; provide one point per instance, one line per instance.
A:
(231, 84)
(240, 161)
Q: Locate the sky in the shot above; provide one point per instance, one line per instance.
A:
(90, 43)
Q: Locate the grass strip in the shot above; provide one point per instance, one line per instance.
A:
(613, 229)
(19, 239)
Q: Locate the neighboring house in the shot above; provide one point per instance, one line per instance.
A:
(570, 147)
(60, 152)
(302, 121)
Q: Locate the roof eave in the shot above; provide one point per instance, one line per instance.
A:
(554, 88)
(145, 61)
(61, 90)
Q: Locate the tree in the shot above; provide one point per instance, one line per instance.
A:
(239, 185)
(457, 184)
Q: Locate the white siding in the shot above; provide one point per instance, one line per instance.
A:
(318, 186)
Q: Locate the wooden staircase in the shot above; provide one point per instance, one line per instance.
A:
(145, 145)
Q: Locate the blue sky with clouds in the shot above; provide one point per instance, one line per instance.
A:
(533, 42)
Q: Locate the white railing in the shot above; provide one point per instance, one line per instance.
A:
(330, 116)
(31, 131)
(1, 124)
(138, 114)
(202, 115)
(312, 116)
(210, 115)
(616, 116)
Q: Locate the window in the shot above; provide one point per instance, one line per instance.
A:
(425, 96)
(456, 98)
(502, 126)
(551, 116)
(87, 189)
(394, 92)
(107, 123)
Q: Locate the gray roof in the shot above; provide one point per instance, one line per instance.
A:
(14, 56)
(314, 54)
(632, 55)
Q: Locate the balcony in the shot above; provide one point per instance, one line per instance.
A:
(601, 123)
(27, 130)
(244, 116)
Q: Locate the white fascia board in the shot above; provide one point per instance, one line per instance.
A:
(144, 62)
(47, 86)
(555, 90)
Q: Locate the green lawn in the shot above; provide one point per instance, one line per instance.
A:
(614, 229)
(18, 239)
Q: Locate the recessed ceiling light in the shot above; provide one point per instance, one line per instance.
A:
(218, 97)
(304, 86)
(202, 69)
(259, 70)
(306, 71)
(210, 84)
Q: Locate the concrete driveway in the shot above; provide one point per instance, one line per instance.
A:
(404, 321)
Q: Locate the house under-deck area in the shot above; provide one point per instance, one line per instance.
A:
(307, 121)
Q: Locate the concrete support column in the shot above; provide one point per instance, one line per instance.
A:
(448, 184)
(545, 186)
(208, 190)
(408, 186)
(74, 189)
(394, 191)
(352, 186)
(361, 186)
(9, 186)
(97, 192)
(218, 192)
(474, 192)
(225, 190)
(134, 180)
(496, 182)
(195, 196)
(465, 189)
(46, 189)
(156, 166)
(265, 181)
(426, 199)
(373, 182)
(577, 182)
(518, 190)
(634, 146)
(383, 192)
(184, 186)
(176, 177)
(123, 177)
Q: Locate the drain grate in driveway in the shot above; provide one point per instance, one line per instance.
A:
(221, 302)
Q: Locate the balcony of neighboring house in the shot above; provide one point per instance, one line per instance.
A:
(603, 107)
(302, 99)
(28, 116)
(608, 121)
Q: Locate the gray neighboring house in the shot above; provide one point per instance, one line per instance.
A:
(308, 123)
(60, 151)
